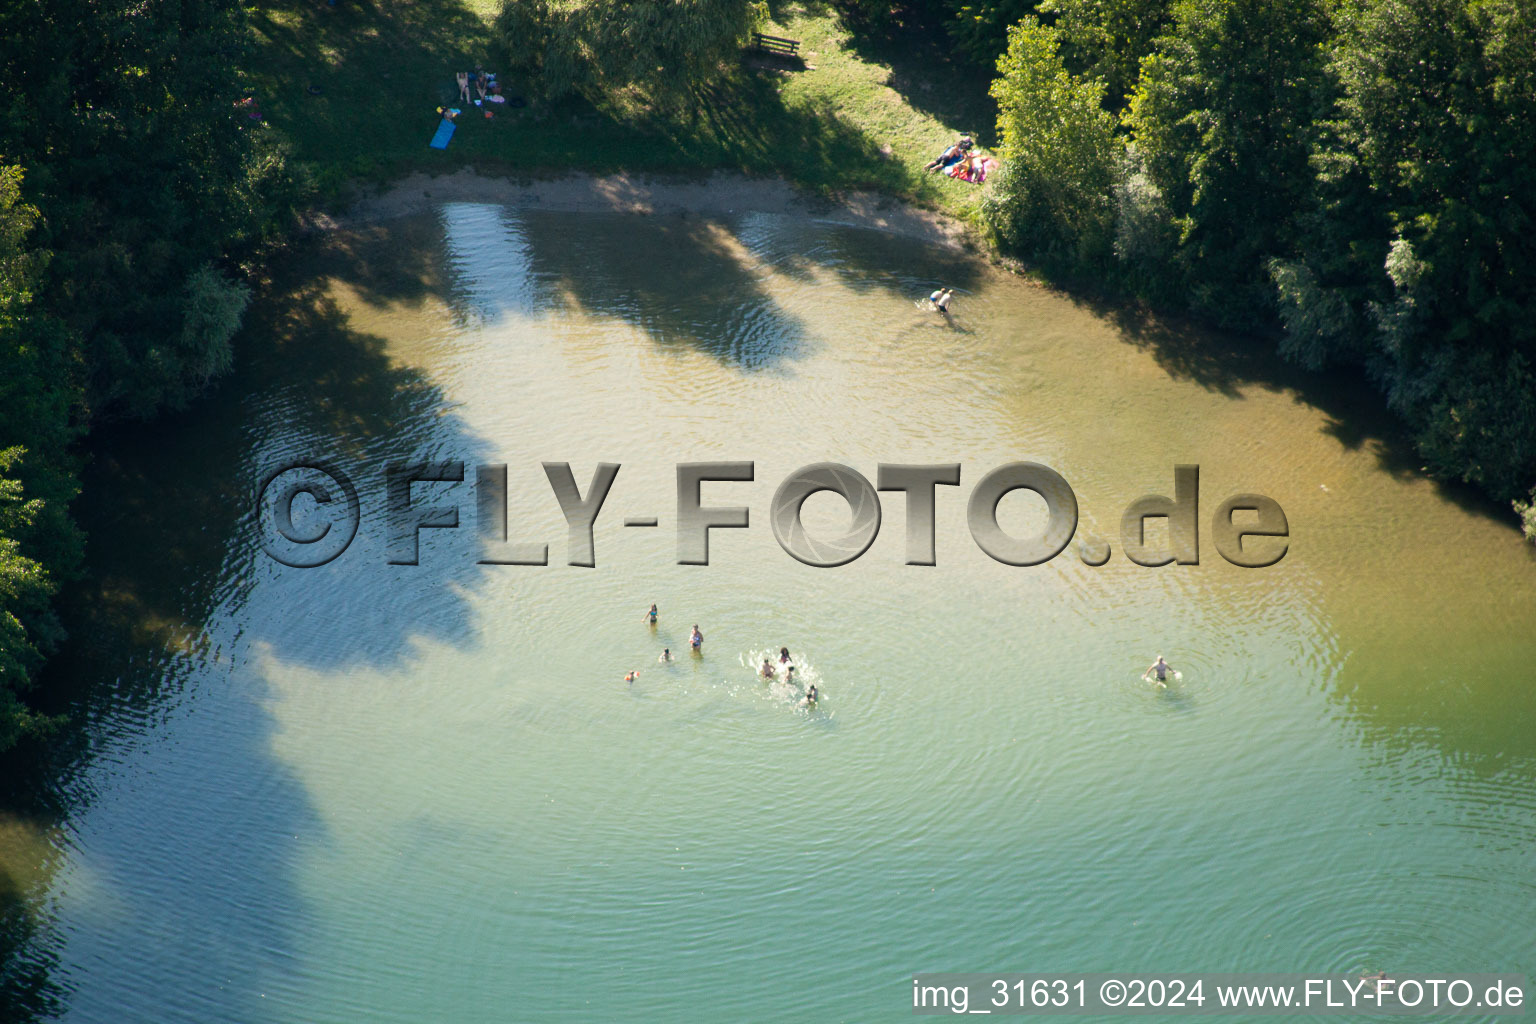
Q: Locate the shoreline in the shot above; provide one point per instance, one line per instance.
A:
(722, 193)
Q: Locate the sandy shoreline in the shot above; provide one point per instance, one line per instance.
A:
(722, 194)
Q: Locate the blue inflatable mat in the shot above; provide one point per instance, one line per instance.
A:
(443, 135)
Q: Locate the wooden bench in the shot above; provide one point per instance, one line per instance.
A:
(775, 44)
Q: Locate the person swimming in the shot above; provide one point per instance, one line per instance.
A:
(697, 639)
(810, 697)
(783, 655)
(631, 677)
(650, 616)
(1160, 668)
(665, 656)
(767, 671)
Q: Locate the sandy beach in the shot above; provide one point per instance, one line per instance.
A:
(721, 194)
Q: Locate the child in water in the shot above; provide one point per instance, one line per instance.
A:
(810, 697)
(666, 655)
(767, 670)
(631, 677)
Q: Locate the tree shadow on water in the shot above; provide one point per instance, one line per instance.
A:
(176, 611)
(1355, 412)
(703, 281)
(387, 265)
(683, 281)
(1435, 703)
(866, 259)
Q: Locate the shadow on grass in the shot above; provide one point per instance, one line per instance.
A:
(742, 122)
(358, 83)
(928, 73)
(383, 68)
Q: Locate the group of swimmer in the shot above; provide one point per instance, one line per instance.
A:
(771, 671)
(696, 642)
(1159, 668)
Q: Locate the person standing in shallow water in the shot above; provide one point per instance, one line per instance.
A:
(650, 616)
(1160, 668)
(697, 639)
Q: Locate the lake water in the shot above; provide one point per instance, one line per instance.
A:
(416, 793)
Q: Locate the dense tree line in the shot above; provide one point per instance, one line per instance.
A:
(1355, 174)
(134, 195)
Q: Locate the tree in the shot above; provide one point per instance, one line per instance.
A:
(1222, 121)
(24, 592)
(1052, 200)
(147, 194)
(980, 27)
(1108, 38)
(150, 181)
(1526, 510)
(1418, 245)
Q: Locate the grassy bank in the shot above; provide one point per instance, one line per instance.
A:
(356, 87)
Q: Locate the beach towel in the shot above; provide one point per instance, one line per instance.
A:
(443, 135)
(978, 170)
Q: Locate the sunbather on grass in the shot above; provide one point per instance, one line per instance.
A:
(944, 159)
(954, 154)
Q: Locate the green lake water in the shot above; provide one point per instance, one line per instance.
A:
(391, 793)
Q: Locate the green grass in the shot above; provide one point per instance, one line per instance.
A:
(860, 114)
